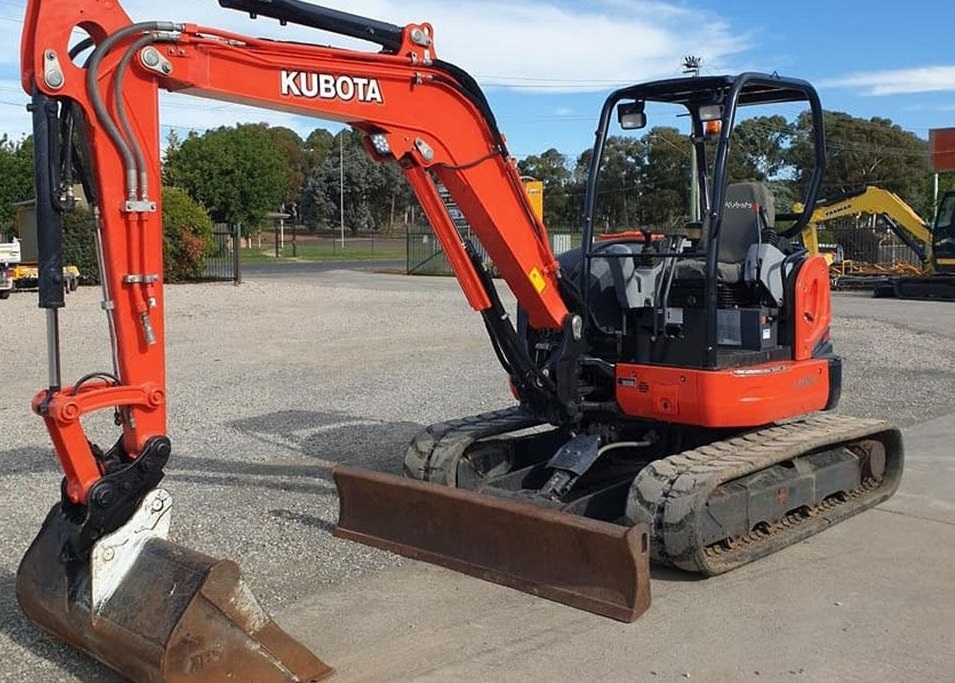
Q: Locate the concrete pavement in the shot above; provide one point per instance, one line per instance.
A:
(274, 381)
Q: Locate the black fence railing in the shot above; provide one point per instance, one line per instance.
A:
(224, 263)
(426, 257)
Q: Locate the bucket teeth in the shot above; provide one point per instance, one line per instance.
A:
(175, 615)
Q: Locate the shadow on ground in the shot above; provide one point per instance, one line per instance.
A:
(29, 460)
(68, 661)
(334, 437)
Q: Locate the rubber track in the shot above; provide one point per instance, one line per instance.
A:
(936, 287)
(670, 494)
(434, 452)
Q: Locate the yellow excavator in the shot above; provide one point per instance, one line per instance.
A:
(934, 244)
(938, 281)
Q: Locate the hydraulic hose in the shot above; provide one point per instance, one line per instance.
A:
(139, 159)
(96, 100)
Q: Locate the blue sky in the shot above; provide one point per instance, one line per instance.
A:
(546, 66)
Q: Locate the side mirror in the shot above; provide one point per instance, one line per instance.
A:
(630, 115)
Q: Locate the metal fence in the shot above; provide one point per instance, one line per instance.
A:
(862, 253)
(224, 263)
(873, 246)
(425, 255)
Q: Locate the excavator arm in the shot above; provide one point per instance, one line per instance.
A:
(426, 115)
(900, 217)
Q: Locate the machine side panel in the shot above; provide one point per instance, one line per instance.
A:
(736, 397)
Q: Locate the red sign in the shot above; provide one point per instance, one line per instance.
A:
(941, 145)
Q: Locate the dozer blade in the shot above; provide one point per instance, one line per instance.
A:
(589, 564)
(154, 610)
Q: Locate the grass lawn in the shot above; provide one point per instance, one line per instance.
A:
(311, 249)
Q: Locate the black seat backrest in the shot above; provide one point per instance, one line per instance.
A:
(747, 209)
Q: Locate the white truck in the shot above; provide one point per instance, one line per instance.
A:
(9, 259)
(26, 273)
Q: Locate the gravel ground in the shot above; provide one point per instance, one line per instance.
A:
(272, 382)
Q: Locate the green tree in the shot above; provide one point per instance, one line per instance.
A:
(665, 180)
(79, 247)
(187, 236)
(16, 177)
(373, 192)
(758, 149)
(391, 195)
(173, 143)
(562, 200)
(293, 149)
(618, 190)
(239, 174)
(862, 152)
(318, 145)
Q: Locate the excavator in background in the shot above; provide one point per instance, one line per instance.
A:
(937, 282)
(673, 398)
(933, 244)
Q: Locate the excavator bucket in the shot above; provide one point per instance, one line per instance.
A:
(154, 610)
(589, 564)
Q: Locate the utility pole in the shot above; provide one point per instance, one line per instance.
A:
(341, 184)
(692, 65)
(935, 197)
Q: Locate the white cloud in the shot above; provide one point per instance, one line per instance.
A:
(522, 44)
(527, 45)
(899, 81)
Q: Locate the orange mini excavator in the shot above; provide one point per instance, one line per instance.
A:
(668, 391)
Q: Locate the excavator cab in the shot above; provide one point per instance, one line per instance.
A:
(710, 294)
(939, 281)
(943, 235)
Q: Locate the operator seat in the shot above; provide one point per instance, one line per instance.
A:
(748, 208)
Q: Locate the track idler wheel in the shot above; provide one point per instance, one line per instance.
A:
(154, 610)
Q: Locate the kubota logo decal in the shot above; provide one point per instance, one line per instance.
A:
(329, 87)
